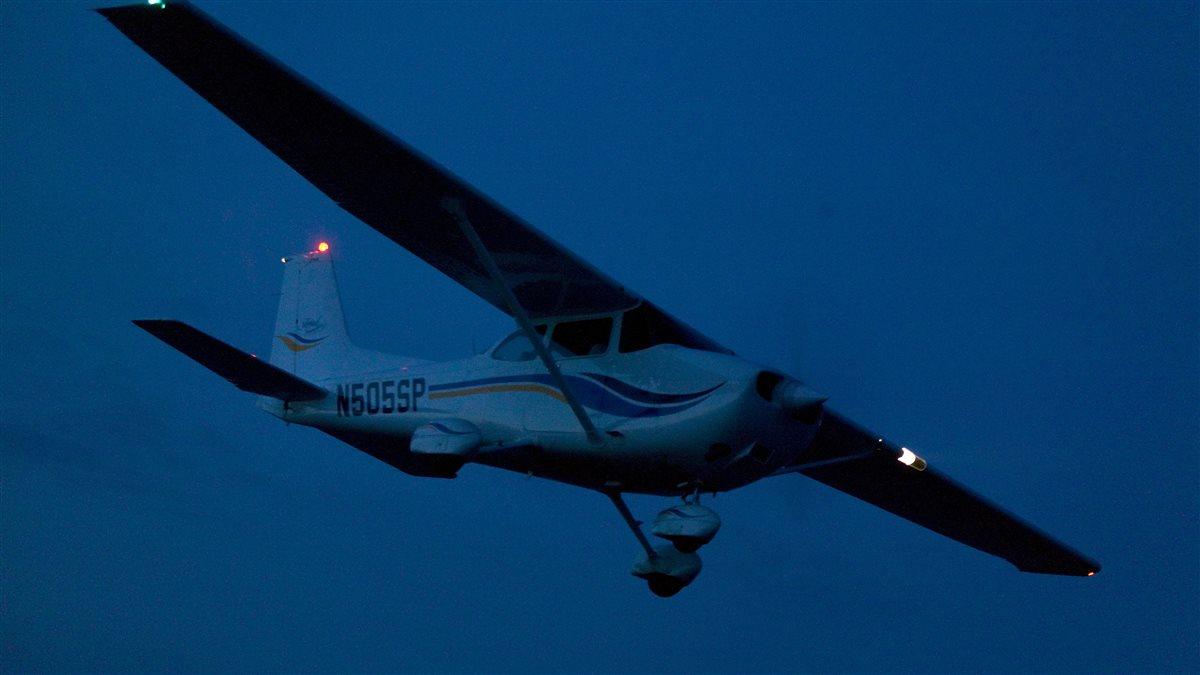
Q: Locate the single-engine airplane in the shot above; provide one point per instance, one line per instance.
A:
(597, 387)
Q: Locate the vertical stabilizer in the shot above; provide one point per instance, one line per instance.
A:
(310, 332)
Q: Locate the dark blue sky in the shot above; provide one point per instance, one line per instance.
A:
(975, 226)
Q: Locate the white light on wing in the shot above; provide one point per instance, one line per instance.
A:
(909, 458)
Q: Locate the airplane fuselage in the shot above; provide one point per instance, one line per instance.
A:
(673, 419)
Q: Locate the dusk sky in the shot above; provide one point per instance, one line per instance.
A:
(976, 227)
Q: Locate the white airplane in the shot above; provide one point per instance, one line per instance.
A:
(596, 387)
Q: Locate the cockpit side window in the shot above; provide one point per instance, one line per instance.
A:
(589, 337)
(516, 347)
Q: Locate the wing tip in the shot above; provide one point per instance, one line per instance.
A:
(1075, 568)
(111, 12)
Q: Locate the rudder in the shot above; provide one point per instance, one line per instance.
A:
(310, 329)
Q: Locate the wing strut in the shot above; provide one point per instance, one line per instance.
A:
(455, 209)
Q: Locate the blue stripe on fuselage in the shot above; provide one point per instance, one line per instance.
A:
(641, 395)
(593, 394)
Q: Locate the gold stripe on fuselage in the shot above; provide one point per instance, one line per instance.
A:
(500, 389)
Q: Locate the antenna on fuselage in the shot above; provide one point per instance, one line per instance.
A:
(455, 209)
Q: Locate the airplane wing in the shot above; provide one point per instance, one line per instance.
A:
(244, 371)
(849, 458)
(373, 175)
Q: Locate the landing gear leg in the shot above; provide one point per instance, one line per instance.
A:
(633, 523)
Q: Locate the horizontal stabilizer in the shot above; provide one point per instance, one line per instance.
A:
(245, 371)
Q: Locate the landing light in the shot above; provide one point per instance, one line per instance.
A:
(910, 458)
(323, 246)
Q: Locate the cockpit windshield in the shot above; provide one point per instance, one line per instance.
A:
(581, 338)
(646, 326)
(642, 327)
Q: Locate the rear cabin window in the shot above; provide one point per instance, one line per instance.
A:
(581, 338)
(516, 347)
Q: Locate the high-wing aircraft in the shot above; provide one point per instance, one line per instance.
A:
(596, 387)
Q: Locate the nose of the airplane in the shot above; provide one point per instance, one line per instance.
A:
(796, 396)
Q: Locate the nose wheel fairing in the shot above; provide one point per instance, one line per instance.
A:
(687, 526)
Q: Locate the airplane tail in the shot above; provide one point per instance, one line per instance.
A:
(310, 330)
